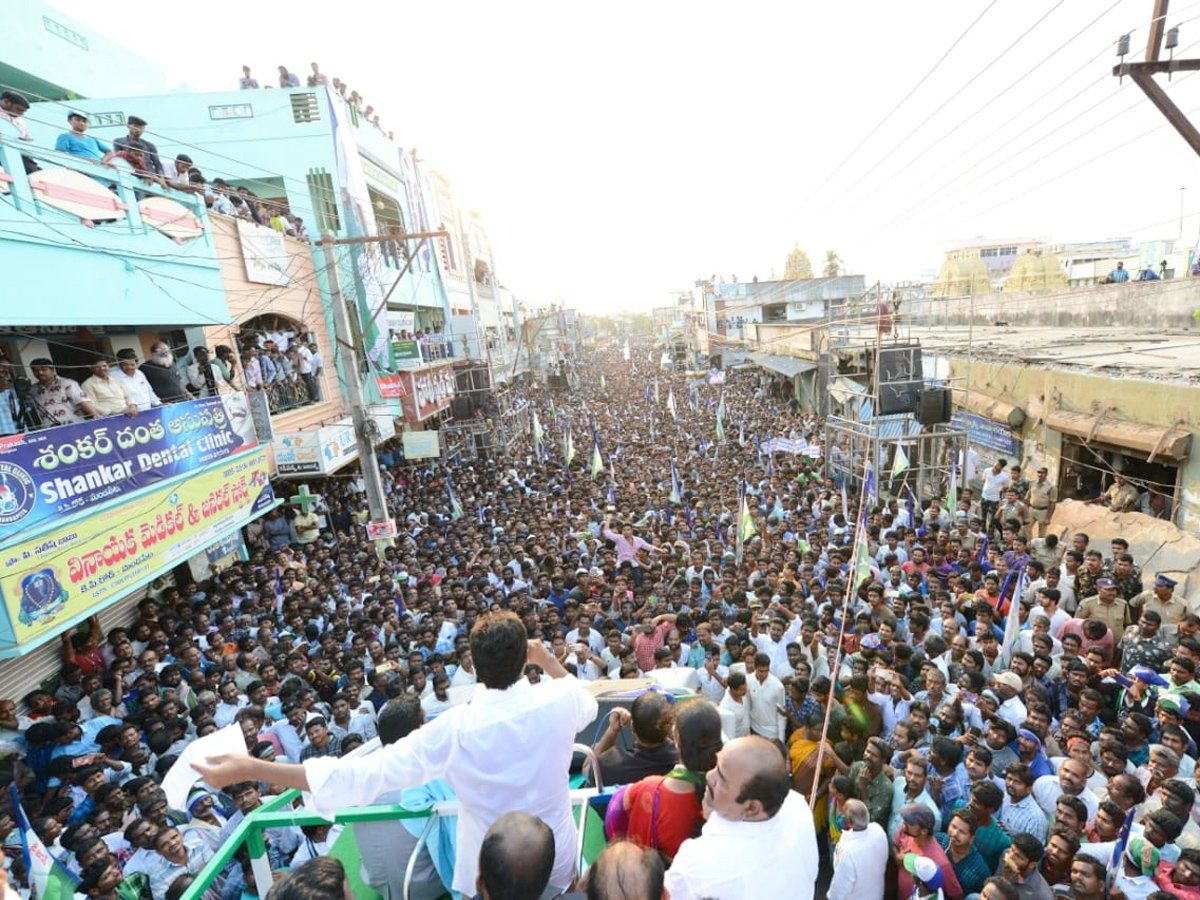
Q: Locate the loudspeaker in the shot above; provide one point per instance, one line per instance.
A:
(935, 408)
(899, 397)
(463, 408)
(558, 382)
(900, 363)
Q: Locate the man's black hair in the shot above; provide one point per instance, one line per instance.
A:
(499, 646)
(399, 718)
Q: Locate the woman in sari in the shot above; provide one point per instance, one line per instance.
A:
(664, 811)
(803, 747)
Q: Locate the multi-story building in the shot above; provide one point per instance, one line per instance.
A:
(101, 261)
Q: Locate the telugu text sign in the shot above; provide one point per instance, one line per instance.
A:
(45, 475)
(66, 572)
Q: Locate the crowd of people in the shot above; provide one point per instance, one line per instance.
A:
(853, 733)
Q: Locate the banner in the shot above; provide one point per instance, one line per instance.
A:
(48, 474)
(66, 573)
(391, 387)
(264, 254)
(421, 444)
(406, 350)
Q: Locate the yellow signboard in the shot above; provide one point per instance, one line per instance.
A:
(64, 573)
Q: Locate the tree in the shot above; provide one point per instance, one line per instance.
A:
(798, 266)
(833, 264)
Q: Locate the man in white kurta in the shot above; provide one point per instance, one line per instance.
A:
(860, 858)
(505, 750)
(759, 840)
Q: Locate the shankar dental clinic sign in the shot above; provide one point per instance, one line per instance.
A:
(45, 475)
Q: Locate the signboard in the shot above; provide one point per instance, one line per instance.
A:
(220, 555)
(317, 451)
(45, 475)
(57, 576)
(322, 451)
(260, 414)
(429, 392)
(391, 387)
(406, 350)
(264, 253)
(422, 444)
(382, 531)
(986, 433)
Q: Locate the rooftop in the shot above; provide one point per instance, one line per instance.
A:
(1138, 353)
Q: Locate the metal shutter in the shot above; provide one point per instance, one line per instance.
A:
(21, 675)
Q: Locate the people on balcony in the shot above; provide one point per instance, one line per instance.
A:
(288, 79)
(59, 400)
(135, 381)
(247, 81)
(78, 142)
(109, 396)
(160, 372)
(134, 141)
(316, 79)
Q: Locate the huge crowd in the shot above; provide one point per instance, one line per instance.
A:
(875, 734)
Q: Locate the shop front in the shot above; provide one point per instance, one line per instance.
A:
(428, 393)
(57, 576)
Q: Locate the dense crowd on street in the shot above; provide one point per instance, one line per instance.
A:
(865, 724)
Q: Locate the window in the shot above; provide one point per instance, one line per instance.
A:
(1008, 251)
(231, 111)
(67, 34)
(107, 118)
(324, 200)
(988, 252)
(305, 107)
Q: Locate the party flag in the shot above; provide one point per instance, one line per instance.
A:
(48, 876)
(676, 485)
(900, 463)
(721, 419)
(671, 404)
(456, 509)
(539, 434)
(597, 459)
(626, 352)
(1012, 625)
(952, 494)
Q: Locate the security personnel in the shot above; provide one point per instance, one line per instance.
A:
(1040, 499)
(1161, 599)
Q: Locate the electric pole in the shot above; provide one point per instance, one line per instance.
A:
(365, 429)
(1142, 73)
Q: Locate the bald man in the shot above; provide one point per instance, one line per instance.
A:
(759, 840)
(516, 858)
(861, 857)
(625, 871)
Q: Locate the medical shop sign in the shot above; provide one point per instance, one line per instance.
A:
(46, 475)
(429, 392)
(76, 568)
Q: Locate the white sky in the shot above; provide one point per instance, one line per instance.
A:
(620, 151)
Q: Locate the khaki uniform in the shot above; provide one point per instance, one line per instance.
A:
(1042, 494)
(1172, 611)
(1121, 498)
(1115, 615)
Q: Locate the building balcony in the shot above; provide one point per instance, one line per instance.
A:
(91, 243)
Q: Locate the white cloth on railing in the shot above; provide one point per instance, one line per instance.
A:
(505, 750)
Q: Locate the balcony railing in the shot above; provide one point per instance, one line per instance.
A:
(68, 188)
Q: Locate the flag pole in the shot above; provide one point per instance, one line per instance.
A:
(860, 534)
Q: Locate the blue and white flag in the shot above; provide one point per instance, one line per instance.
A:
(48, 876)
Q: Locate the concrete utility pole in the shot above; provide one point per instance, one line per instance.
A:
(1143, 74)
(365, 429)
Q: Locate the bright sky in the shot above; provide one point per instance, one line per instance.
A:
(618, 152)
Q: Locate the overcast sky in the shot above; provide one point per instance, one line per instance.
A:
(620, 151)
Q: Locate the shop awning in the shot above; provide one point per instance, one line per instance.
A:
(990, 407)
(1158, 441)
(847, 386)
(784, 365)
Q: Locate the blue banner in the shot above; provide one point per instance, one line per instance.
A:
(45, 475)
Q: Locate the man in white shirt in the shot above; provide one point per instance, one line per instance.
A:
(995, 482)
(1008, 687)
(767, 696)
(759, 840)
(131, 376)
(861, 857)
(774, 642)
(734, 703)
(509, 748)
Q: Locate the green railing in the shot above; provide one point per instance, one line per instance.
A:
(278, 812)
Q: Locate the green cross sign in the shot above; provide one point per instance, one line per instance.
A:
(304, 499)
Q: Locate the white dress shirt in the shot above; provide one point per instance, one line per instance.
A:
(139, 388)
(777, 650)
(740, 713)
(765, 699)
(860, 864)
(774, 858)
(503, 750)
